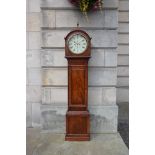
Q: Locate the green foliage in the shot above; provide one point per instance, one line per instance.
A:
(87, 5)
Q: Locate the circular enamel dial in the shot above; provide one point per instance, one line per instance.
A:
(77, 44)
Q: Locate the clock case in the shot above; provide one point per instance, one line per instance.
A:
(77, 116)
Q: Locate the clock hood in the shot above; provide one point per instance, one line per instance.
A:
(78, 31)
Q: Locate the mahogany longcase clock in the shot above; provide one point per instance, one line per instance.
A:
(77, 52)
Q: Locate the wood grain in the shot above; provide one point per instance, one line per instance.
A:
(77, 117)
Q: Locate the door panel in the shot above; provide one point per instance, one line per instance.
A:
(78, 85)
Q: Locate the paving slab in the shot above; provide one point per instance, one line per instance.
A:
(41, 143)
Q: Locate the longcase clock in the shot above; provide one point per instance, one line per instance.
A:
(77, 52)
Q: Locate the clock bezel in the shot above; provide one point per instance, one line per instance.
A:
(78, 33)
(85, 53)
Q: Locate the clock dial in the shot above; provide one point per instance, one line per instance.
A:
(77, 43)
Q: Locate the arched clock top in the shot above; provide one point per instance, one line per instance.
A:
(78, 31)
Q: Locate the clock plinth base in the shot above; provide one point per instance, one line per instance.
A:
(77, 123)
(85, 137)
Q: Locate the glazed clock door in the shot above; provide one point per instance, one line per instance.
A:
(77, 44)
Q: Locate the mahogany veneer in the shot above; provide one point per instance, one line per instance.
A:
(77, 116)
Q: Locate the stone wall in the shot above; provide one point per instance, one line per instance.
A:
(34, 81)
(123, 61)
(48, 21)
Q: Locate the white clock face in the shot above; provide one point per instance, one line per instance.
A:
(77, 44)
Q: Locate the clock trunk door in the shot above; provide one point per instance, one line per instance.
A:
(78, 87)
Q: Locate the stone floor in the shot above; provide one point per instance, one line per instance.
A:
(39, 143)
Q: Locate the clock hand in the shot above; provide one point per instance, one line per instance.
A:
(77, 48)
(80, 41)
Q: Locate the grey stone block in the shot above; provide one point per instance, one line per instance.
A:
(33, 22)
(123, 28)
(96, 76)
(110, 58)
(111, 18)
(97, 58)
(27, 40)
(109, 95)
(36, 115)
(50, 38)
(69, 18)
(123, 71)
(53, 57)
(123, 16)
(122, 81)
(53, 4)
(28, 115)
(96, 96)
(56, 96)
(101, 96)
(123, 38)
(103, 38)
(123, 49)
(27, 6)
(49, 18)
(46, 95)
(34, 76)
(34, 40)
(110, 4)
(65, 4)
(123, 115)
(53, 118)
(103, 119)
(124, 5)
(34, 5)
(102, 76)
(55, 76)
(100, 38)
(33, 58)
(122, 95)
(27, 81)
(56, 57)
(123, 60)
(33, 93)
